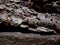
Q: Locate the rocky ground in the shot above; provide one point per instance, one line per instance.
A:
(25, 26)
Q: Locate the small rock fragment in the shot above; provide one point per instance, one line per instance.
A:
(24, 26)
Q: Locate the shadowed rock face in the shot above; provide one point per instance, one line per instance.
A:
(50, 6)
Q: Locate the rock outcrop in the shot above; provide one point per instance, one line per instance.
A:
(18, 15)
(29, 26)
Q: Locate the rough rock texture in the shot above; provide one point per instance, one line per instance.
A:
(15, 14)
(17, 38)
(33, 28)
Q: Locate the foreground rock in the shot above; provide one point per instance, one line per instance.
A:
(17, 38)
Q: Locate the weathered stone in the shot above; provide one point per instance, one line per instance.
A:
(40, 27)
(18, 15)
(24, 26)
(17, 38)
(16, 21)
(16, 0)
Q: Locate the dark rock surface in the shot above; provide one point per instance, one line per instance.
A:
(50, 6)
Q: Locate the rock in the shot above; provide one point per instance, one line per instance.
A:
(41, 16)
(24, 26)
(17, 38)
(57, 5)
(45, 5)
(11, 0)
(16, 21)
(32, 21)
(16, 0)
(42, 29)
(18, 15)
(9, 9)
(32, 29)
(2, 6)
(34, 12)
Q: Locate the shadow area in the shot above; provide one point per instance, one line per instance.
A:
(9, 28)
